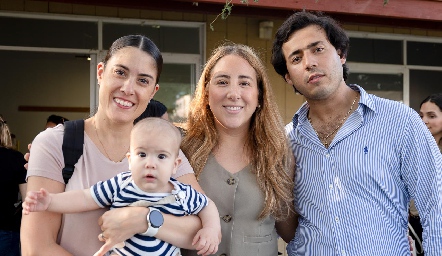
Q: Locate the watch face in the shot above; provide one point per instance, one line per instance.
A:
(156, 219)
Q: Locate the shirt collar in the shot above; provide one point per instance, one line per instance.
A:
(365, 100)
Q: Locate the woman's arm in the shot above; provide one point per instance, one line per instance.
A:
(120, 224)
(39, 231)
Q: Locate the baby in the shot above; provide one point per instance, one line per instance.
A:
(153, 158)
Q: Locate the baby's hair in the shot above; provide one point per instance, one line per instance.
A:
(158, 124)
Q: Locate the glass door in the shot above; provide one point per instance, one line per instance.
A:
(177, 84)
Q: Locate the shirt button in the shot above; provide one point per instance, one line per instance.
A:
(330, 186)
(336, 219)
(327, 155)
(343, 252)
(226, 218)
(231, 181)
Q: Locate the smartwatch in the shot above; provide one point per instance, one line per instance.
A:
(155, 220)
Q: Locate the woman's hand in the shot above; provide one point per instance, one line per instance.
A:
(118, 225)
(27, 155)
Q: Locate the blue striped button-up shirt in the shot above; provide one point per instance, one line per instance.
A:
(353, 197)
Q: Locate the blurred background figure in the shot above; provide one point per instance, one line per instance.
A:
(154, 109)
(11, 183)
(431, 114)
(54, 120)
(181, 108)
(14, 142)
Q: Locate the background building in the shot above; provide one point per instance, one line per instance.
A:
(49, 49)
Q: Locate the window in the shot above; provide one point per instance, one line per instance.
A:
(398, 67)
(422, 84)
(175, 90)
(388, 86)
(48, 33)
(424, 54)
(376, 51)
(165, 37)
(90, 37)
(51, 64)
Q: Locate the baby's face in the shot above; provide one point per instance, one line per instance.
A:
(152, 160)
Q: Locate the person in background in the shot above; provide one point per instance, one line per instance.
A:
(12, 183)
(153, 158)
(54, 120)
(154, 109)
(234, 138)
(431, 113)
(128, 78)
(15, 142)
(359, 158)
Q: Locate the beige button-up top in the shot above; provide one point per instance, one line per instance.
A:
(239, 202)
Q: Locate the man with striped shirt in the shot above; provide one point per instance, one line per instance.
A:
(359, 158)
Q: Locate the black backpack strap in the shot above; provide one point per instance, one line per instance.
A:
(73, 140)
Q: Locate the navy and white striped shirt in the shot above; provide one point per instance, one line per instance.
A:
(115, 193)
(353, 197)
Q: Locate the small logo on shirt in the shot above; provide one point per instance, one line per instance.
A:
(365, 150)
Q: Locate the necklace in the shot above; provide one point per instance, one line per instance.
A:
(324, 139)
(96, 133)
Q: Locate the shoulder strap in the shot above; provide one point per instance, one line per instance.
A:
(73, 140)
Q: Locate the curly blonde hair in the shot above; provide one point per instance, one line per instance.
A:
(267, 144)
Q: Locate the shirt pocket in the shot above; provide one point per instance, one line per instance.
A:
(260, 245)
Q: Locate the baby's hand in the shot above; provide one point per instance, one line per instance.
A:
(36, 201)
(206, 241)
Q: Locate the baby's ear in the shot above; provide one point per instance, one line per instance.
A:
(128, 158)
(177, 163)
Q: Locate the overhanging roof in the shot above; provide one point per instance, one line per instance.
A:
(425, 14)
(408, 9)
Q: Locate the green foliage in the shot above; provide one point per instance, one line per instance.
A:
(227, 10)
